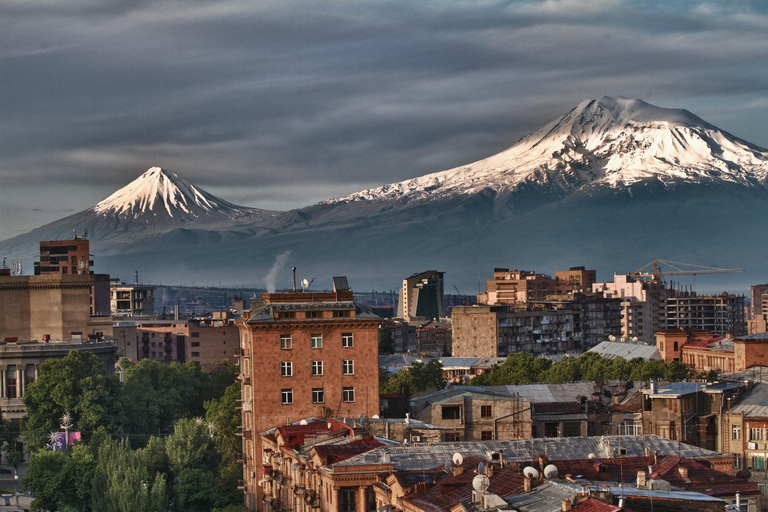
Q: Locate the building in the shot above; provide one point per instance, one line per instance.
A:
(703, 351)
(422, 297)
(433, 337)
(132, 300)
(475, 414)
(745, 427)
(721, 314)
(758, 306)
(44, 317)
(642, 304)
(460, 370)
(497, 331)
(519, 287)
(64, 257)
(205, 340)
(628, 351)
(690, 412)
(304, 355)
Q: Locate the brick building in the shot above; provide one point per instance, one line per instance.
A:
(303, 355)
(205, 340)
(703, 351)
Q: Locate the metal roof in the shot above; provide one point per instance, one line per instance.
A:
(471, 362)
(540, 393)
(547, 497)
(613, 349)
(525, 450)
(754, 403)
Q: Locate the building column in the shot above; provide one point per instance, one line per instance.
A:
(20, 386)
(2, 382)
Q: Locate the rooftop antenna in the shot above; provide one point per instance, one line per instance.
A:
(294, 279)
(85, 234)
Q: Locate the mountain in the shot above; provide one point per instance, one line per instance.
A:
(611, 185)
(157, 202)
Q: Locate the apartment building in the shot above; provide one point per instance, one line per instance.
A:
(421, 297)
(302, 355)
(721, 314)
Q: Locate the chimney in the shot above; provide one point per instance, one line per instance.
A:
(489, 471)
(683, 473)
(621, 502)
(421, 487)
(526, 484)
(641, 479)
(46, 338)
(136, 278)
(457, 470)
(655, 457)
(566, 505)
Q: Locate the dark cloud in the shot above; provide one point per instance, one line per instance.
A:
(293, 101)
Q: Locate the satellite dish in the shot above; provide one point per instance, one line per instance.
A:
(448, 466)
(458, 459)
(481, 468)
(634, 339)
(480, 483)
(550, 471)
(304, 284)
(375, 417)
(531, 472)
(303, 422)
(611, 338)
(591, 456)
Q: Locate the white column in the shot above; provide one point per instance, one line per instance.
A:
(2, 382)
(19, 381)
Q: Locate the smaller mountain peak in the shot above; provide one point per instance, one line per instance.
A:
(612, 111)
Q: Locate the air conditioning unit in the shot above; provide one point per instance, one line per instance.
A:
(415, 439)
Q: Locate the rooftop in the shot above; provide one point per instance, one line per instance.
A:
(754, 403)
(613, 349)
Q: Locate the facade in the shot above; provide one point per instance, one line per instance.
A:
(205, 340)
(64, 257)
(433, 338)
(302, 355)
(132, 300)
(422, 297)
(475, 414)
(758, 306)
(497, 331)
(702, 351)
(519, 287)
(642, 304)
(690, 412)
(720, 314)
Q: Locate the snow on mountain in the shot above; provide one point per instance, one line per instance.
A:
(159, 190)
(609, 142)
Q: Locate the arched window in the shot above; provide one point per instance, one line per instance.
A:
(675, 347)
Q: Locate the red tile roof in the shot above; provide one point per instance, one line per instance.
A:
(595, 505)
(294, 435)
(703, 343)
(333, 453)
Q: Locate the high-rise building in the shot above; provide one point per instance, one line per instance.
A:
(642, 303)
(422, 296)
(304, 355)
(720, 314)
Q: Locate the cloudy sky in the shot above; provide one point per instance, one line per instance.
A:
(280, 104)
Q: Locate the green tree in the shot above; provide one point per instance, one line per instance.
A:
(193, 462)
(61, 480)
(385, 340)
(77, 384)
(565, 370)
(226, 419)
(122, 482)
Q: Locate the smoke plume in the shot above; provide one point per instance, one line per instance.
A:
(277, 266)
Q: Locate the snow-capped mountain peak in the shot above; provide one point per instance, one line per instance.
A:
(608, 142)
(160, 191)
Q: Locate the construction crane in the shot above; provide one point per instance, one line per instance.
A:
(656, 275)
(464, 298)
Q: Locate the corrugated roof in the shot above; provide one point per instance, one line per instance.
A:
(612, 349)
(753, 404)
(596, 505)
(525, 450)
(538, 393)
(471, 362)
(548, 497)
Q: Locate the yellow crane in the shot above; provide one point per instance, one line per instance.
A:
(657, 274)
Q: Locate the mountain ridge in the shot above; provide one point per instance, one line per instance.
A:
(646, 181)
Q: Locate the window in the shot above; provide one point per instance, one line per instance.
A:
(285, 314)
(348, 367)
(486, 435)
(316, 341)
(736, 461)
(287, 396)
(758, 462)
(286, 368)
(348, 394)
(451, 436)
(347, 340)
(572, 429)
(195, 343)
(318, 396)
(633, 428)
(286, 342)
(451, 412)
(756, 434)
(312, 314)
(195, 354)
(192, 335)
(736, 432)
(486, 411)
(347, 497)
(317, 367)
